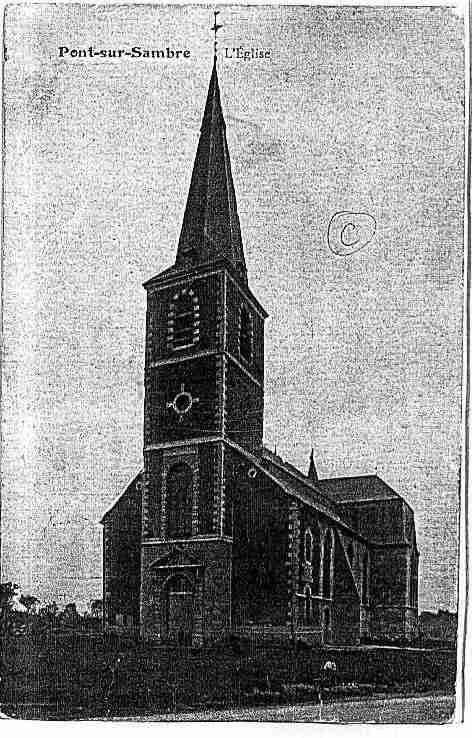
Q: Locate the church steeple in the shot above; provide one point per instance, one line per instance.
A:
(312, 473)
(210, 228)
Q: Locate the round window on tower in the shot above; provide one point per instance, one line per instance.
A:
(182, 402)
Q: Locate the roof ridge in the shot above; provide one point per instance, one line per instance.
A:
(125, 489)
(278, 461)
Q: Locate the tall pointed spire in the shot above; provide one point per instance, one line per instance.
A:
(312, 473)
(210, 228)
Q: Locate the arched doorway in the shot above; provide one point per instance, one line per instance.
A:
(179, 610)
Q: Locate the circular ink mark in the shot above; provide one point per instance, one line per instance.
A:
(350, 232)
(348, 235)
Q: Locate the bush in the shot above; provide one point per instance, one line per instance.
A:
(300, 690)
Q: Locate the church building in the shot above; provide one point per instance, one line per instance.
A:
(217, 535)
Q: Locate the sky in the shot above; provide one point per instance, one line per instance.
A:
(358, 110)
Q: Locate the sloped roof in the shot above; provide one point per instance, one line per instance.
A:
(358, 489)
(320, 496)
(289, 476)
(132, 483)
(343, 499)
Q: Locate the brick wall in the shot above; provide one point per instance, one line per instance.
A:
(234, 300)
(346, 601)
(208, 291)
(389, 569)
(244, 408)
(260, 545)
(378, 520)
(207, 565)
(121, 559)
(198, 375)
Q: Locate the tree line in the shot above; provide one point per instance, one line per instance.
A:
(17, 610)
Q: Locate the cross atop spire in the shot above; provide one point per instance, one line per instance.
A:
(312, 473)
(210, 228)
(216, 27)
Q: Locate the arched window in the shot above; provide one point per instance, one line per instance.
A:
(245, 334)
(183, 328)
(316, 559)
(179, 501)
(307, 616)
(414, 582)
(327, 563)
(326, 625)
(308, 546)
(350, 552)
(365, 578)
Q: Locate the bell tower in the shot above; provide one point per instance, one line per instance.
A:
(204, 374)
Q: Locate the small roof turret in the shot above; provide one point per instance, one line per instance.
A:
(312, 473)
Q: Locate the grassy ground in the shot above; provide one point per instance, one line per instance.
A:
(60, 675)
